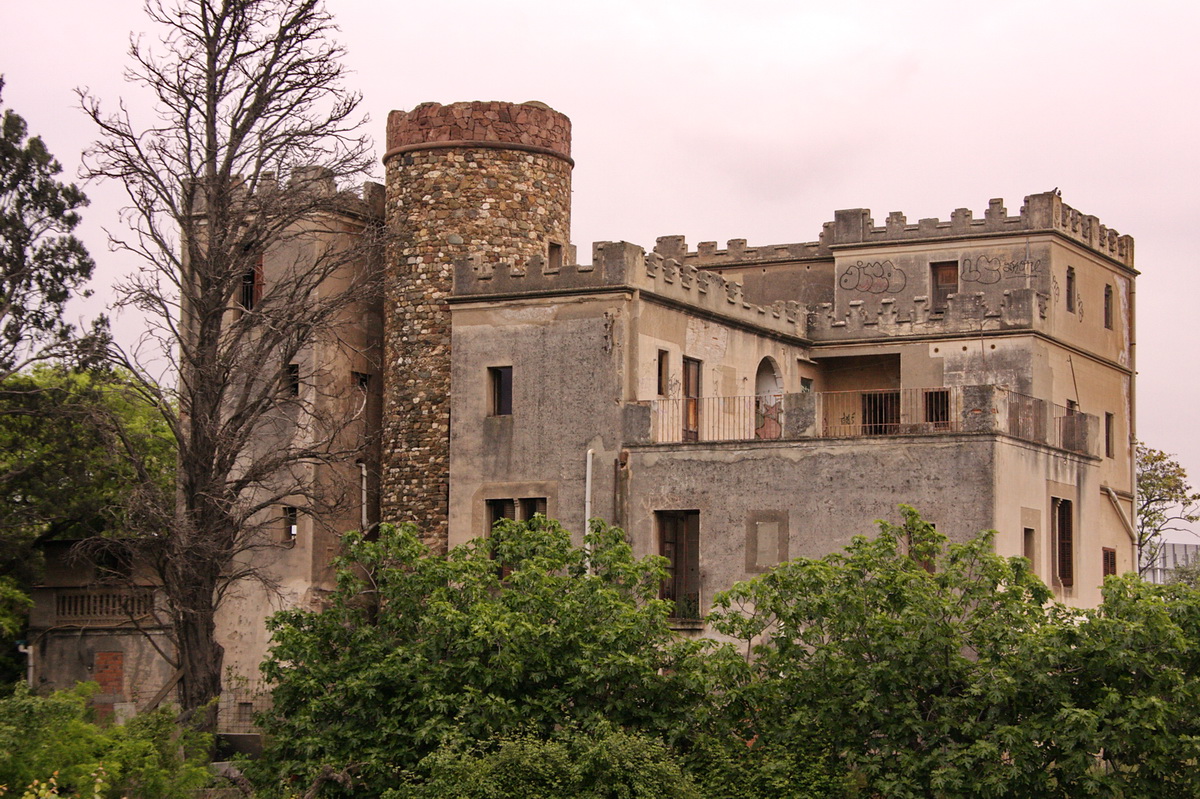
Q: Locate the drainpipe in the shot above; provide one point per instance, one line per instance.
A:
(362, 489)
(587, 500)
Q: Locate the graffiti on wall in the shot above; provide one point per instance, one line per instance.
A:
(876, 277)
(983, 270)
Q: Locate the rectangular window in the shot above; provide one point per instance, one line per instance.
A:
(252, 286)
(691, 399)
(1108, 307)
(679, 543)
(1064, 540)
(1070, 289)
(806, 385)
(937, 408)
(1029, 547)
(664, 373)
(500, 378)
(531, 506)
(362, 380)
(943, 283)
(1072, 407)
(1109, 421)
(554, 257)
(292, 379)
(1110, 561)
(880, 413)
(498, 509)
(291, 524)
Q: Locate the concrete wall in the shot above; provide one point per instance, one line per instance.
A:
(827, 490)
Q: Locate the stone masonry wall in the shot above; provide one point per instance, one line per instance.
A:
(490, 179)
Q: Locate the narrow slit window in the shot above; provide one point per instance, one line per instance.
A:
(1108, 307)
(1070, 289)
(252, 286)
(291, 524)
(1109, 422)
(1064, 540)
(501, 390)
(664, 373)
(1029, 547)
(292, 379)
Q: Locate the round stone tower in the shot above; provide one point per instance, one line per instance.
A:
(485, 180)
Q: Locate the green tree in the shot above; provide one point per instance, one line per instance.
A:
(42, 265)
(516, 634)
(1166, 502)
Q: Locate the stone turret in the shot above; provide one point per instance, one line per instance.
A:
(486, 179)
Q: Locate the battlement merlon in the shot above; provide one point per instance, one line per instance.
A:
(620, 265)
(1040, 213)
(314, 186)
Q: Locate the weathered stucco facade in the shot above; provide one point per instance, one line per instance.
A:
(729, 408)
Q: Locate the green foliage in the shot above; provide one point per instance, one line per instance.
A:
(516, 633)
(1166, 501)
(52, 737)
(608, 764)
(42, 264)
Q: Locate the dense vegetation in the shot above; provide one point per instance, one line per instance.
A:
(905, 666)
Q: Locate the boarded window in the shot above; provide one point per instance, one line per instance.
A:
(679, 543)
(500, 378)
(1110, 561)
(1064, 540)
(943, 283)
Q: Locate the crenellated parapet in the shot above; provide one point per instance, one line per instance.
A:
(855, 227)
(1018, 308)
(736, 251)
(619, 264)
(1041, 212)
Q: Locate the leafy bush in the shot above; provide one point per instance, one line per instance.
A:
(52, 737)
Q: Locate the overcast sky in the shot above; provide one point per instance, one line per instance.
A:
(757, 119)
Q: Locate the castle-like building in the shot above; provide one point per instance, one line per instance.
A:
(729, 408)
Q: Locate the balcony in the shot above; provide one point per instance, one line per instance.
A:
(886, 412)
(91, 607)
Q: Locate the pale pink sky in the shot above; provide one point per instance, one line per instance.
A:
(758, 119)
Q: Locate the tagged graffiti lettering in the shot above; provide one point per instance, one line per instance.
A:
(984, 270)
(848, 418)
(877, 277)
(1020, 269)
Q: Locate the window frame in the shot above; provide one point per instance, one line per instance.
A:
(940, 290)
(500, 391)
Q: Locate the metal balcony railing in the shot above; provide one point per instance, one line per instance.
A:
(876, 412)
(717, 418)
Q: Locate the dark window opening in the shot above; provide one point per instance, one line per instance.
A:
(1108, 307)
(1109, 421)
(1029, 548)
(362, 380)
(806, 384)
(1072, 407)
(664, 373)
(291, 524)
(531, 506)
(679, 543)
(691, 399)
(944, 282)
(252, 286)
(880, 413)
(1064, 539)
(501, 385)
(1110, 561)
(292, 379)
(937, 408)
(1071, 289)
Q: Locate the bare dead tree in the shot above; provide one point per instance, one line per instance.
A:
(254, 134)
